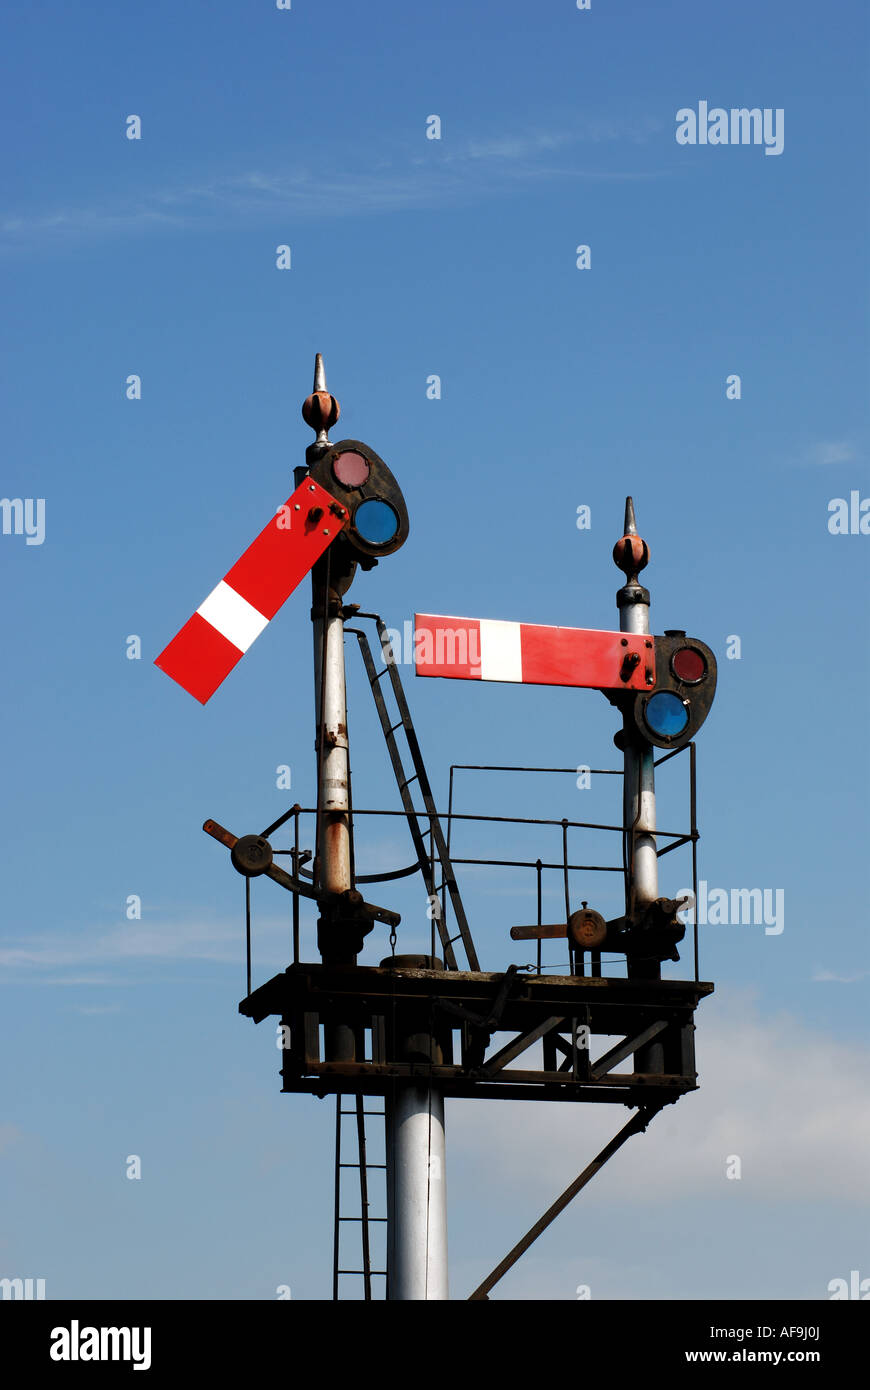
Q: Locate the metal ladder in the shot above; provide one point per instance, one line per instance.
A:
(404, 782)
(364, 1220)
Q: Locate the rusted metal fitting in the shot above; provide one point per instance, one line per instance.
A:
(251, 855)
(631, 555)
(629, 662)
(320, 410)
(588, 929)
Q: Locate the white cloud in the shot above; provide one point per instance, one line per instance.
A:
(174, 940)
(9, 1135)
(472, 171)
(792, 1103)
(833, 451)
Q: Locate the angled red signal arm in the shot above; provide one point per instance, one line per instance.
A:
(529, 654)
(234, 614)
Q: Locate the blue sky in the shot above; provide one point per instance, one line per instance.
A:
(560, 388)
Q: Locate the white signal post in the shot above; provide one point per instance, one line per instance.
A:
(332, 864)
(639, 793)
(414, 1115)
(333, 832)
(335, 875)
(416, 1195)
(631, 554)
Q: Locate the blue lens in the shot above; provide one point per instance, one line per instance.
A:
(666, 714)
(376, 521)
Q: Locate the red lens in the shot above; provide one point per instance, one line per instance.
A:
(351, 470)
(688, 665)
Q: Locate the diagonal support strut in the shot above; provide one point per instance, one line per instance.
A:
(636, 1125)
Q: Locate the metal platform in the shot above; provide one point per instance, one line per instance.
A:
(392, 1010)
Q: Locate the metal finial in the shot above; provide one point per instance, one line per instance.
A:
(631, 552)
(320, 410)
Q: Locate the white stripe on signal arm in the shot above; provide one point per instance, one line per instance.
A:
(501, 657)
(233, 617)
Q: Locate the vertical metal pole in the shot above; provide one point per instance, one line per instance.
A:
(416, 1158)
(639, 795)
(639, 791)
(248, 931)
(538, 867)
(416, 1200)
(332, 863)
(296, 895)
(639, 788)
(363, 1196)
(334, 784)
(693, 808)
(336, 1233)
(416, 1172)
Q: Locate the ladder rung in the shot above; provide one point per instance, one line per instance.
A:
(363, 1272)
(360, 1218)
(394, 727)
(408, 780)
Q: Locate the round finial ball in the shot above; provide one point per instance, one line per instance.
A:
(631, 554)
(321, 410)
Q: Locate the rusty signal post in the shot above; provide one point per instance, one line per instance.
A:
(414, 1030)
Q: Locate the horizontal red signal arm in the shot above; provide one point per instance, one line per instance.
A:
(530, 654)
(210, 644)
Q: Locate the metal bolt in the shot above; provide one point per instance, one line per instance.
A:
(625, 641)
(325, 532)
(296, 506)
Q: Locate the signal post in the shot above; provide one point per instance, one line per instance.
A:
(416, 1029)
(414, 1115)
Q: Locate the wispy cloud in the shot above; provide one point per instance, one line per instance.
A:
(436, 175)
(9, 1135)
(751, 1103)
(830, 975)
(63, 957)
(831, 451)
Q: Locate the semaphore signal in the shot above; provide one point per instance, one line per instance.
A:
(416, 1029)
